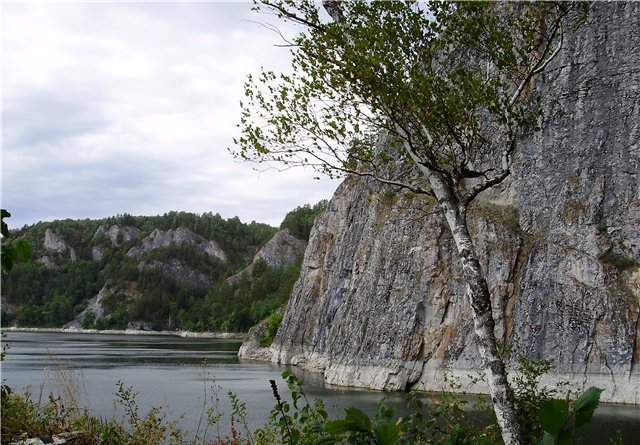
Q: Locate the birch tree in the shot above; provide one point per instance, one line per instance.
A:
(451, 86)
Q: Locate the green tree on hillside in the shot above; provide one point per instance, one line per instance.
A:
(431, 98)
(300, 220)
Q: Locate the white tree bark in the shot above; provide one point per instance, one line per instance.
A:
(478, 292)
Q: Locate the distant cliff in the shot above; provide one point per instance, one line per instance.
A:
(380, 300)
(280, 251)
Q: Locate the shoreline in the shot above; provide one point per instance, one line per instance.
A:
(182, 334)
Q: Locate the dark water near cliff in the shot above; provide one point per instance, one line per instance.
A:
(176, 373)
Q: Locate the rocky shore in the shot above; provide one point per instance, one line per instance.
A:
(184, 334)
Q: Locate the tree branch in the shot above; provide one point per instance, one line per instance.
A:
(542, 63)
(293, 17)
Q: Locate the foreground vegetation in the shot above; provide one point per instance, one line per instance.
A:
(545, 420)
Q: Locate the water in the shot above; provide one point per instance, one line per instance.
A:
(177, 374)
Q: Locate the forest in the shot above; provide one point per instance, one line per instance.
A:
(141, 290)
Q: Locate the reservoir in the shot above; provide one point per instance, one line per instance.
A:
(181, 374)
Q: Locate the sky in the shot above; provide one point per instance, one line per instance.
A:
(122, 107)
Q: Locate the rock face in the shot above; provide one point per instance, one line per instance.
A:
(121, 234)
(55, 244)
(96, 253)
(94, 306)
(160, 238)
(380, 300)
(280, 251)
(182, 272)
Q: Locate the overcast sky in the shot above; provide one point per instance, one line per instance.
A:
(111, 107)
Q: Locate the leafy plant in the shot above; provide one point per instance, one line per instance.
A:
(275, 319)
(12, 250)
(560, 418)
(298, 422)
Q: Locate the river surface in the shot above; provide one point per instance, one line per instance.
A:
(180, 374)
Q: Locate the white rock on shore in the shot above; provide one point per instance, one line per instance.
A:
(184, 334)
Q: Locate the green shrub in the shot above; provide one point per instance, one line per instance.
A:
(560, 418)
(275, 319)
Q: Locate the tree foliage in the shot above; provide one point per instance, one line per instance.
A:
(450, 83)
(300, 220)
(14, 250)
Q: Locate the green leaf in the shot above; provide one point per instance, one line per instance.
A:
(547, 439)
(387, 433)
(338, 427)
(566, 437)
(354, 421)
(585, 405)
(359, 418)
(553, 415)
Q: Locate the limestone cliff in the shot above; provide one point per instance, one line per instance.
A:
(380, 300)
(164, 238)
(55, 246)
(177, 270)
(281, 250)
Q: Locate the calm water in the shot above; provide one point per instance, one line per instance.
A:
(176, 373)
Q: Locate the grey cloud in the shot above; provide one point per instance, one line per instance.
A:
(131, 110)
(40, 115)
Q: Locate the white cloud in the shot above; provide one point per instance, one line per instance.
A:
(130, 107)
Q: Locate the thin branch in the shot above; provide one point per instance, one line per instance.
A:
(274, 29)
(541, 64)
(291, 16)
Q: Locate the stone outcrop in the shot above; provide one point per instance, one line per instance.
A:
(120, 235)
(161, 238)
(93, 306)
(380, 300)
(117, 234)
(96, 253)
(280, 251)
(178, 270)
(55, 244)
(100, 233)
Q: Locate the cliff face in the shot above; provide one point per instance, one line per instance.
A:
(380, 300)
(161, 238)
(280, 251)
(55, 244)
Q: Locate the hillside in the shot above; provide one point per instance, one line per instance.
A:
(151, 273)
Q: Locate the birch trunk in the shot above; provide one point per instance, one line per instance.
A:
(480, 299)
(477, 289)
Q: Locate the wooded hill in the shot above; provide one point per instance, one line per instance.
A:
(155, 272)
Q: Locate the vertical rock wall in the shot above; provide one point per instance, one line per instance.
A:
(380, 300)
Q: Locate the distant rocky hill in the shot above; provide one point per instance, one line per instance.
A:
(165, 272)
(380, 302)
(281, 250)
